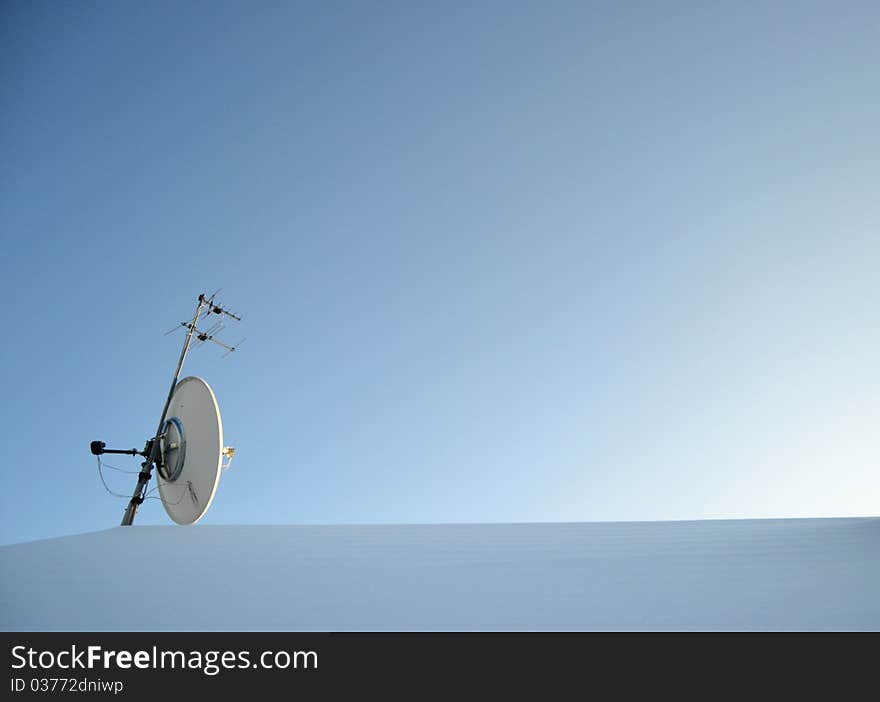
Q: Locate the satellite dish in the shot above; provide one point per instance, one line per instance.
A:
(190, 451)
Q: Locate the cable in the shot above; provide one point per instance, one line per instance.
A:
(120, 470)
(148, 496)
(104, 482)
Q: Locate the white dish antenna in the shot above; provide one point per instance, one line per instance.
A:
(191, 451)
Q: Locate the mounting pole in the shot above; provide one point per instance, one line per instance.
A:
(147, 466)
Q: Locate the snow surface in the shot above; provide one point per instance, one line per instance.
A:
(785, 574)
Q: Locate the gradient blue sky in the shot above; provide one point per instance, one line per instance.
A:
(496, 261)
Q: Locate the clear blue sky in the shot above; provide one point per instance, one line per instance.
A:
(496, 261)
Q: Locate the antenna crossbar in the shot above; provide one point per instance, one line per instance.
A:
(218, 309)
(208, 335)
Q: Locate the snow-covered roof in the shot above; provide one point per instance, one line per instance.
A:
(786, 574)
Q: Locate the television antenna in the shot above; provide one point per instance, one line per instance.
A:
(187, 449)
